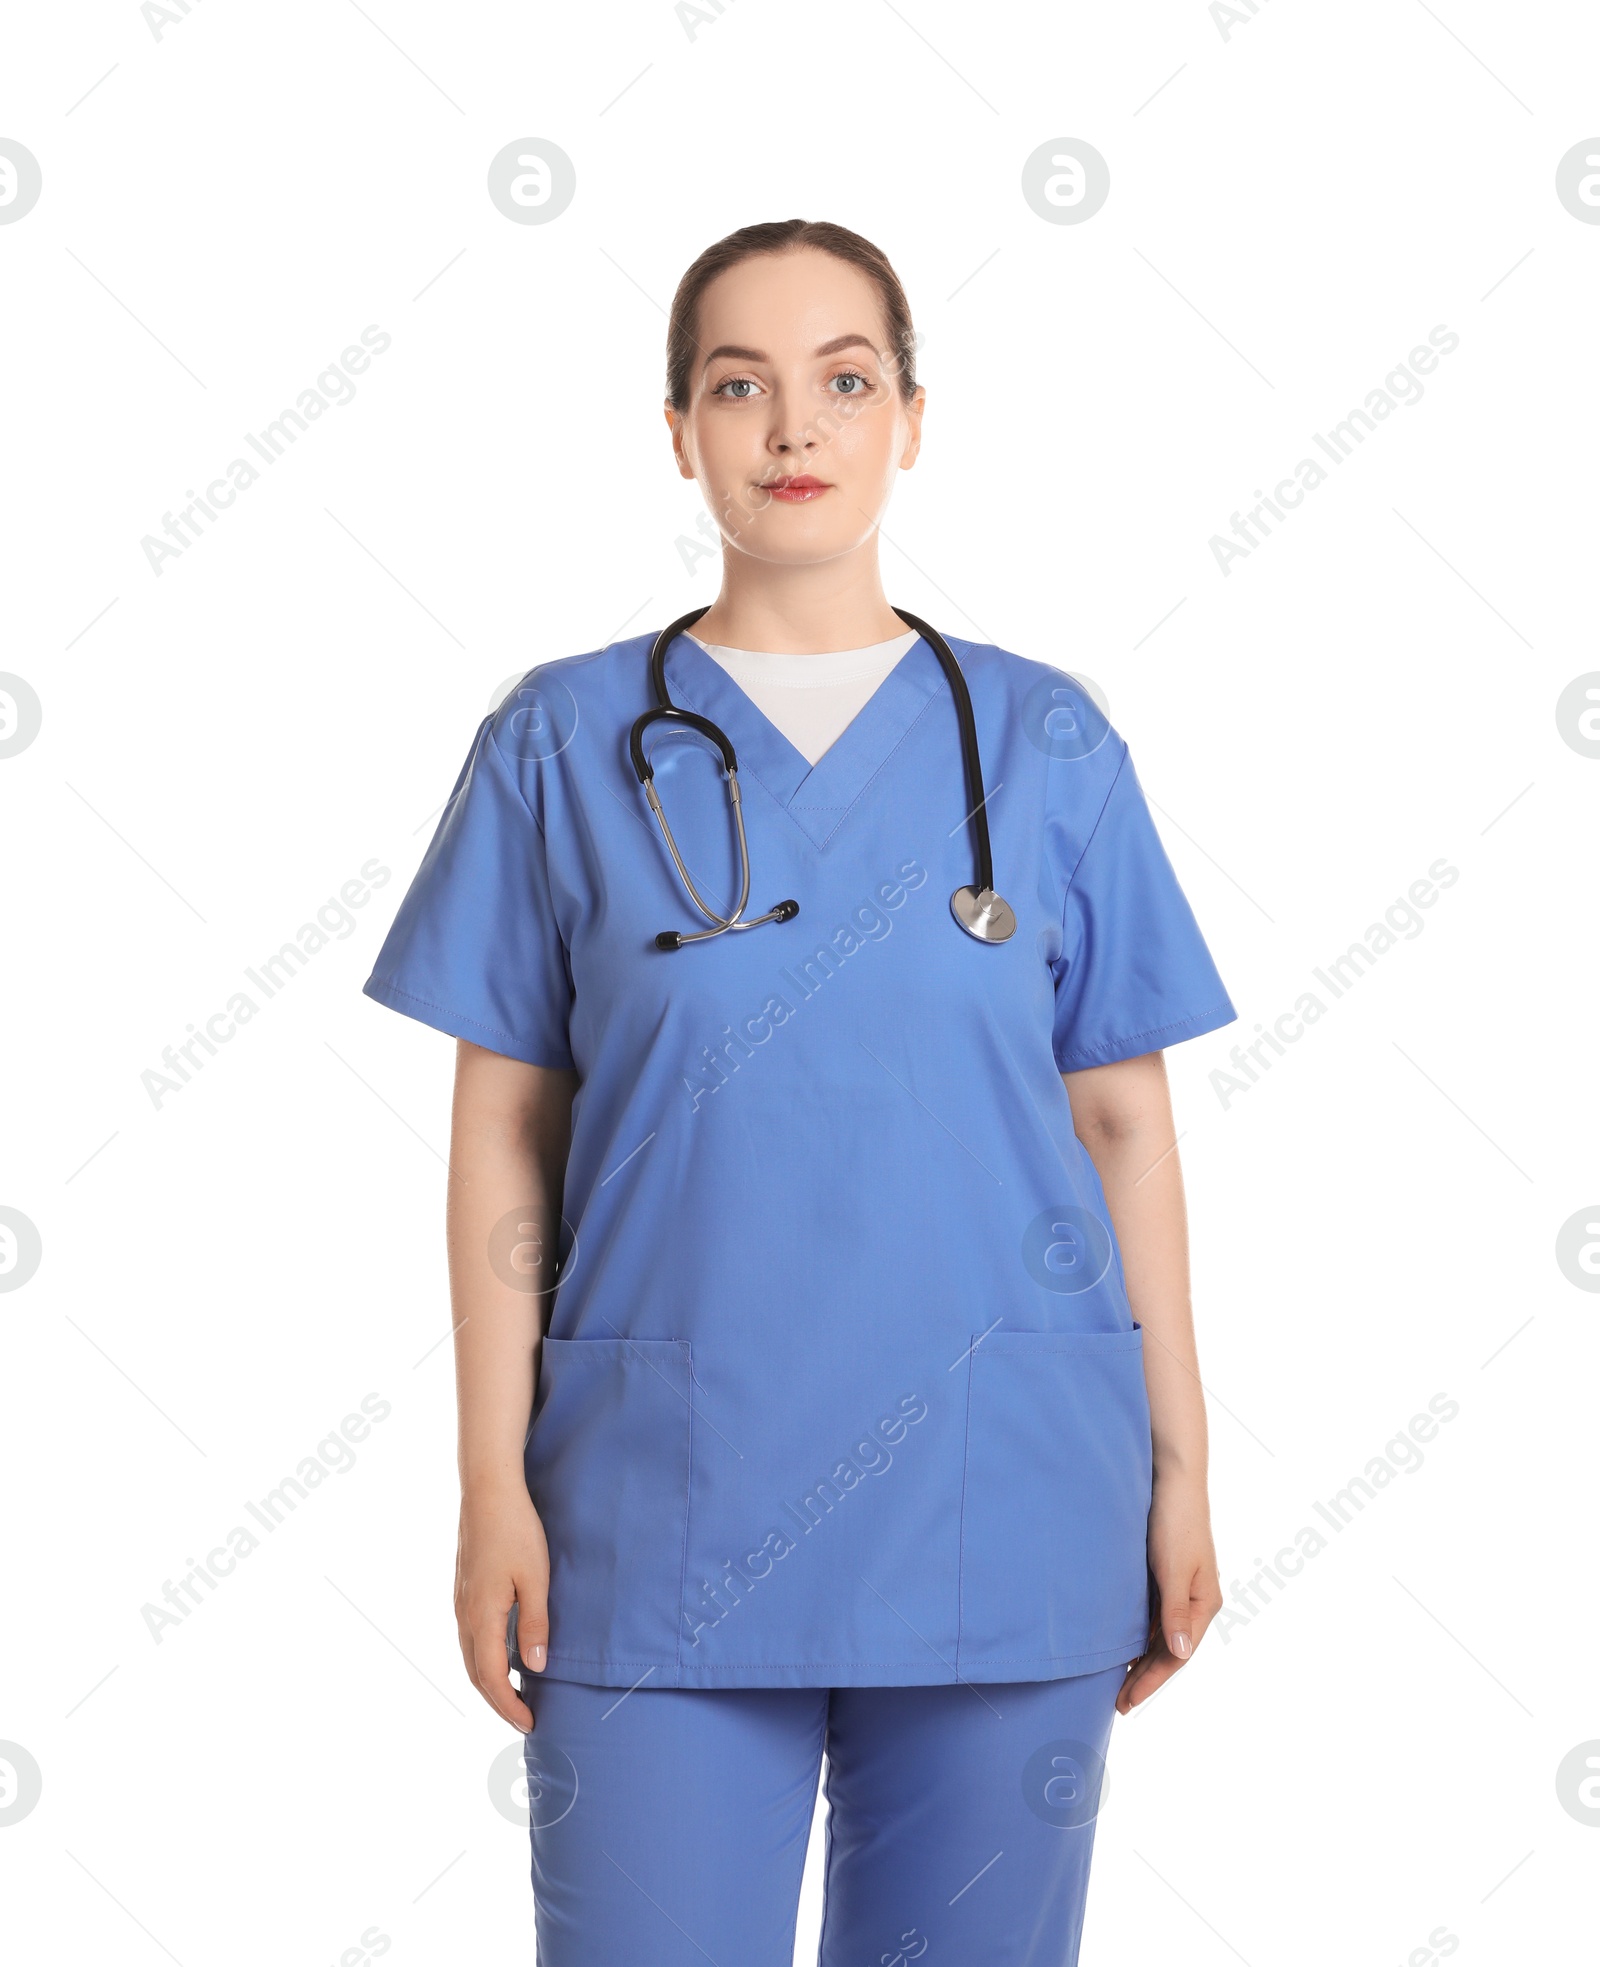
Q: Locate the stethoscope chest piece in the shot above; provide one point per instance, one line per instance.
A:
(983, 914)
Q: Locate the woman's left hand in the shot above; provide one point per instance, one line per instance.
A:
(1184, 1563)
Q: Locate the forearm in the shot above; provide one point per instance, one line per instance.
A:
(1130, 1139)
(502, 1230)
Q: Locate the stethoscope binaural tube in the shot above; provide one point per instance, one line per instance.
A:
(978, 909)
(668, 711)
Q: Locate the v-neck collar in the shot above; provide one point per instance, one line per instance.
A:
(816, 797)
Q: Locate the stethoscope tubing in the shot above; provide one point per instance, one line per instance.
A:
(666, 709)
(972, 764)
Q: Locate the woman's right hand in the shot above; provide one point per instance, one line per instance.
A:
(501, 1557)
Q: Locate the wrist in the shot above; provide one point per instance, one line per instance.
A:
(494, 1487)
(1178, 1468)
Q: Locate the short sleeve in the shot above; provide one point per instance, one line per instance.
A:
(1134, 974)
(475, 949)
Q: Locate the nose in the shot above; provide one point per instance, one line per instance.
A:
(787, 442)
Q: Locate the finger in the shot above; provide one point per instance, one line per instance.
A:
(533, 1624)
(489, 1648)
(1130, 1681)
(1177, 1617)
(1133, 1685)
(510, 1706)
(1132, 1691)
(1148, 1677)
(1124, 1701)
(1202, 1612)
(468, 1655)
(491, 1673)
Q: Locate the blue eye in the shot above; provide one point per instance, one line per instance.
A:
(858, 384)
(736, 383)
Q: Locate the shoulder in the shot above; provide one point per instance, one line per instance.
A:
(1058, 720)
(594, 677)
(998, 669)
(549, 707)
(1010, 677)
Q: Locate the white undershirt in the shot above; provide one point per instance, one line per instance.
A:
(811, 699)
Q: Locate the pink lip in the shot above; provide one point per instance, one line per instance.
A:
(794, 491)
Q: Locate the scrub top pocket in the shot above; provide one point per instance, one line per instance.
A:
(607, 1464)
(1056, 1501)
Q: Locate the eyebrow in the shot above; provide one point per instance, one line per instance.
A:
(756, 355)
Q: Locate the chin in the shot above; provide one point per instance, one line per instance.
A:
(799, 532)
(802, 553)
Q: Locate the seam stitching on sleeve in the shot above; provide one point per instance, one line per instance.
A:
(511, 774)
(1155, 1031)
(544, 870)
(394, 990)
(1078, 863)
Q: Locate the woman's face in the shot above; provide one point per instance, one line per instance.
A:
(795, 424)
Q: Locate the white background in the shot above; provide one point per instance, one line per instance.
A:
(1293, 206)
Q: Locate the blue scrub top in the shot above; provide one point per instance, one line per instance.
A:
(841, 1386)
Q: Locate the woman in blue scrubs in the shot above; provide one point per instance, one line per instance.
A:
(826, 1373)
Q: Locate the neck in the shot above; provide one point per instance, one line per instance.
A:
(800, 610)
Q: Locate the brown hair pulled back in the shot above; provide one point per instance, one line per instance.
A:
(786, 236)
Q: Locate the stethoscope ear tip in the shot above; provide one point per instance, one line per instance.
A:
(669, 939)
(786, 911)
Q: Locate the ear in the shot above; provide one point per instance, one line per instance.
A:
(914, 409)
(676, 426)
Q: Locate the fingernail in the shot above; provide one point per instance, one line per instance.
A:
(537, 1662)
(1179, 1643)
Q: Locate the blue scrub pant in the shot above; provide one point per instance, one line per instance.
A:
(670, 1826)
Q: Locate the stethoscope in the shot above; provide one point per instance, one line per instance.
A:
(978, 909)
